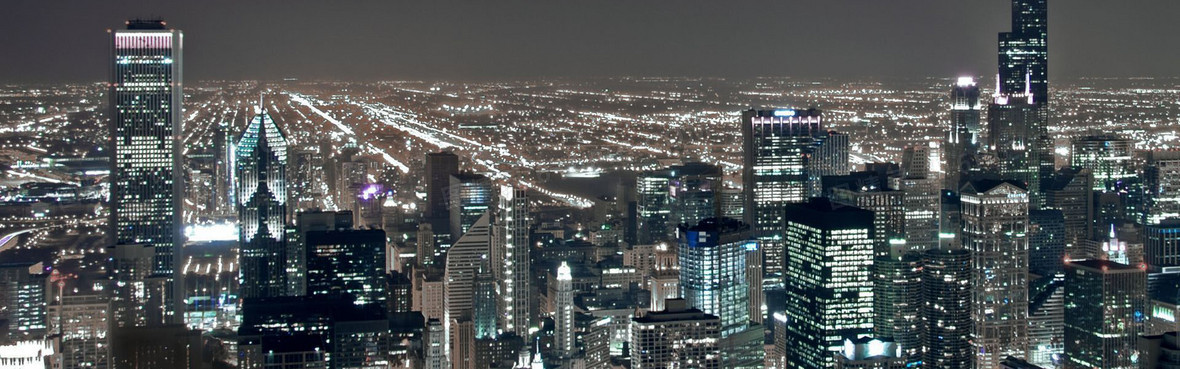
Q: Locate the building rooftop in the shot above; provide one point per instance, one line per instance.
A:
(146, 24)
(1103, 265)
(675, 310)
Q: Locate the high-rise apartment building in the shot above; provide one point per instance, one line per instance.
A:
(511, 255)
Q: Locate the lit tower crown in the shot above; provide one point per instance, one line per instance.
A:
(261, 159)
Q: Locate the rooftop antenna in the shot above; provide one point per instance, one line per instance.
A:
(261, 106)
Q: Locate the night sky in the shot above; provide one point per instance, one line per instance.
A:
(66, 40)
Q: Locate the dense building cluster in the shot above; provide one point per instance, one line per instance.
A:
(272, 245)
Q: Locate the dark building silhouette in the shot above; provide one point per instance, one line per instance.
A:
(347, 262)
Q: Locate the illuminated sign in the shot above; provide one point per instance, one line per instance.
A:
(784, 113)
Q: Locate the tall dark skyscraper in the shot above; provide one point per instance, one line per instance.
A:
(1105, 305)
(439, 168)
(146, 112)
(946, 311)
(1024, 52)
(777, 145)
(261, 158)
(829, 289)
(1018, 116)
(350, 261)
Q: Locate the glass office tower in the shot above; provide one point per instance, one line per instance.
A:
(146, 111)
(261, 159)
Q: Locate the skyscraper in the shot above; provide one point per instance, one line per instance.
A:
(1162, 244)
(921, 182)
(829, 289)
(470, 198)
(22, 300)
(1046, 319)
(146, 111)
(462, 264)
(713, 270)
(693, 193)
(1018, 135)
(713, 256)
(1046, 241)
(1018, 116)
(563, 318)
(483, 302)
(1105, 303)
(680, 194)
(261, 159)
(963, 138)
(82, 321)
(1109, 158)
(652, 206)
(138, 296)
(1162, 185)
(1024, 52)
(512, 255)
(995, 226)
(897, 270)
(439, 168)
(434, 345)
(946, 315)
(776, 146)
(1070, 192)
(829, 157)
(347, 262)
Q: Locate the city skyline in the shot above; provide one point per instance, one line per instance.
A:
(530, 39)
(962, 220)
